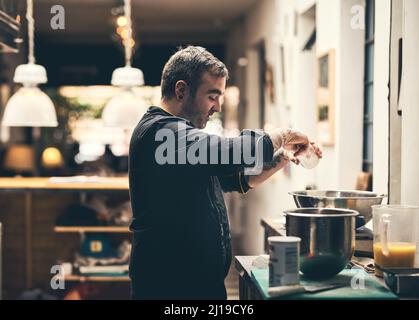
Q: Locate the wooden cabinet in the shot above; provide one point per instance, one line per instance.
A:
(32, 243)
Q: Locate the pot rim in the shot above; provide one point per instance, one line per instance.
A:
(394, 206)
(300, 213)
(373, 194)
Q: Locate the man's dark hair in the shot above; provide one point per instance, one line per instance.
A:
(189, 64)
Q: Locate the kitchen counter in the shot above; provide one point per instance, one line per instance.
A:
(272, 227)
(247, 287)
(253, 284)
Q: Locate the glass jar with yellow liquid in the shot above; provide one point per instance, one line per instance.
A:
(395, 229)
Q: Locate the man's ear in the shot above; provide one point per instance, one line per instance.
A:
(181, 90)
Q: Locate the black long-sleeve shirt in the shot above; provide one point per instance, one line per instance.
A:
(181, 246)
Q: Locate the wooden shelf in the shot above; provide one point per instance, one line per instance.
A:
(77, 278)
(80, 229)
(102, 184)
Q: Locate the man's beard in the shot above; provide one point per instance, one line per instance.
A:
(191, 112)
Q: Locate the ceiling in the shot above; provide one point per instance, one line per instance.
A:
(88, 49)
(154, 21)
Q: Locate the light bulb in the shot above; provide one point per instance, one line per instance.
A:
(124, 34)
(30, 107)
(121, 21)
(119, 30)
(130, 42)
(124, 110)
(52, 158)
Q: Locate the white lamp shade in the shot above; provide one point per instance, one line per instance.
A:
(127, 77)
(124, 110)
(30, 74)
(30, 107)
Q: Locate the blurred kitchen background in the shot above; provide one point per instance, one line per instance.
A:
(344, 72)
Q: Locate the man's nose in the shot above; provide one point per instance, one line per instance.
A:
(217, 107)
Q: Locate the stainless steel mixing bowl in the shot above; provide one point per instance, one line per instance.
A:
(327, 239)
(360, 201)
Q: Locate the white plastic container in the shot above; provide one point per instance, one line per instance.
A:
(309, 158)
(284, 261)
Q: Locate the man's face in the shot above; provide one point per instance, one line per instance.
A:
(208, 100)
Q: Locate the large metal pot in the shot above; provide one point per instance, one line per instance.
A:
(360, 201)
(327, 239)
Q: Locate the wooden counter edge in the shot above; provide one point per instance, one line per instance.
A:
(44, 184)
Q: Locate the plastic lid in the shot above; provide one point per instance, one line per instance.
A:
(284, 239)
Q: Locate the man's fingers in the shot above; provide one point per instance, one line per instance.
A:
(317, 149)
(300, 140)
(300, 149)
(291, 157)
(296, 143)
(296, 161)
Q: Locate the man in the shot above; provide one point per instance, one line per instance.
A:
(181, 246)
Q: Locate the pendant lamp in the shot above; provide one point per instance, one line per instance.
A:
(125, 109)
(29, 106)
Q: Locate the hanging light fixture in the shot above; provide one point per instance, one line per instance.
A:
(125, 109)
(29, 106)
